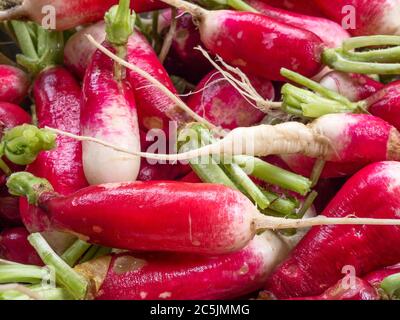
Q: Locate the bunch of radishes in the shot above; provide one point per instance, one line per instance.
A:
(161, 150)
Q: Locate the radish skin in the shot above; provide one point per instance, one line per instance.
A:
(354, 87)
(371, 16)
(160, 276)
(14, 84)
(300, 6)
(330, 32)
(14, 246)
(375, 278)
(219, 102)
(108, 113)
(78, 51)
(247, 40)
(9, 211)
(69, 14)
(316, 263)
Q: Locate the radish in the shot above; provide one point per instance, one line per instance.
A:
(183, 60)
(330, 32)
(354, 87)
(109, 109)
(151, 172)
(78, 51)
(160, 276)
(12, 115)
(219, 102)
(247, 40)
(9, 211)
(14, 84)
(69, 14)
(316, 263)
(375, 278)
(359, 290)
(370, 17)
(191, 178)
(14, 246)
(161, 216)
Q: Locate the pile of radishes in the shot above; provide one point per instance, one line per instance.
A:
(166, 149)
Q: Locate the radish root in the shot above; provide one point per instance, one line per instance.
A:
(169, 36)
(262, 140)
(20, 288)
(268, 222)
(243, 86)
(153, 81)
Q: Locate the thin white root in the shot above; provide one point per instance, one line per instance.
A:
(169, 36)
(154, 81)
(267, 222)
(262, 140)
(20, 288)
(243, 86)
(196, 11)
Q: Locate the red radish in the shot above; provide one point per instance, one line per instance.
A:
(219, 102)
(12, 115)
(247, 40)
(160, 216)
(316, 263)
(158, 171)
(359, 290)
(69, 14)
(354, 87)
(326, 189)
(369, 16)
(330, 32)
(9, 211)
(78, 50)
(14, 246)
(300, 6)
(191, 178)
(155, 109)
(58, 104)
(14, 84)
(356, 139)
(108, 113)
(376, 277)
(160, 276)
(183, 60)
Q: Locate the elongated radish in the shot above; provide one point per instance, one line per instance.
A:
(316, 263)
(376, 277)
(358, 289)
(68, 14)
(154, 107)
(247, 40)
(14, 84)
(131, 276)
(161, 216)
(354, 87)
(330, 32)
(364, 17)
(109, 113)
(78, 51)
(191, 178)
(219, 102)
(300, 6)
(12, 115)
(14, 246)
(183, 60)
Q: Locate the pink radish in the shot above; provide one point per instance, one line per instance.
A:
(132, 276)
(160, 216)
(247, 40)
(354, 87)
(219, 102)
(300, 6)
(14, 246)
(9, 211)
(316, 263)
(69, 14)
(14, 84)
(375, 278)
(78, 50)
(364, 17)
(330, 32)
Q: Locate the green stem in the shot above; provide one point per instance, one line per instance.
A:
(46, 294)
(241, 5)
(391, 285)
(24, 39)
(75, 252)
(335, 59)
(316, 172)
(369, 41)
(65, 275)
(388, 55)
(275, 175)
(20, 273)
(102, 251)
(5, 168)
(285, 207)
(307, 204)
(89, 255)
